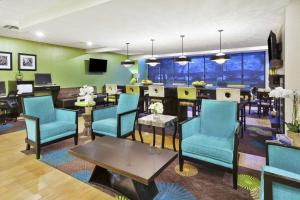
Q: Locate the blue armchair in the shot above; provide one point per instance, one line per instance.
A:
(280, 178)
(212, 137)
(46, 125)
(116, 121)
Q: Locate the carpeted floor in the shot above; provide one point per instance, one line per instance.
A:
(12, 126)
(208, 184)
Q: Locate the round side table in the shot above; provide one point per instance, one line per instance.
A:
(86, 116)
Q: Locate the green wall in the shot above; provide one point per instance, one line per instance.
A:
(67, 65)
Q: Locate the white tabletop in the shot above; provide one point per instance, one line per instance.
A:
(159, 121)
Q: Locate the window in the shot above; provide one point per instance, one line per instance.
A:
(242, 68)
(196, 70)
(254, 69)
(232, 70)
(167, 74)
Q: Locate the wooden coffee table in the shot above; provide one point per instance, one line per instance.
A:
(127, 166)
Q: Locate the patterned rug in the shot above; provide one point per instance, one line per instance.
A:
(12, 126)
(254, 140)
(207, 184)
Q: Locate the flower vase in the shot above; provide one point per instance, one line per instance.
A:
(156, 117)
(295, 138)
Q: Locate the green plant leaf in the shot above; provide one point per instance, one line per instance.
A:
(293, 127)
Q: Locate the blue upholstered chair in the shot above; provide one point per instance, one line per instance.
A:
(116, 121)
(46, 124)
(280, 179)
(212, 137)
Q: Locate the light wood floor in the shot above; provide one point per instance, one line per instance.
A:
(23, 177)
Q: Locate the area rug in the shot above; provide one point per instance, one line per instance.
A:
(207, 184)
(254, 140)
(12, 126)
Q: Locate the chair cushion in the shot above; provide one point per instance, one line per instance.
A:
(56, 128)
(106, 127)
(209, 146)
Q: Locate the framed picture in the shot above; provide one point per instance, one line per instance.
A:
(27, 62)
(5, 60)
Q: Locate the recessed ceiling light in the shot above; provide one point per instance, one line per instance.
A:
(39, 34)
(89, 43)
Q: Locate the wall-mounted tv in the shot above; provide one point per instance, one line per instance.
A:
(273, 49)
(97, 65)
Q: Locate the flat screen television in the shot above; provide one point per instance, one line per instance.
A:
(273, 47)
(97, 65)
(43, 79)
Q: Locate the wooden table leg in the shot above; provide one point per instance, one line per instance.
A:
(154, 135)
(130, 188)
(174, 136)
(140, 133)
(163, 138)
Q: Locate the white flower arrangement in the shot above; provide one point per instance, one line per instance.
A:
(156, 108)
(86, 92)
(279, 92)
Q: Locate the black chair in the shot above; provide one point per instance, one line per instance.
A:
(252, 101)
(264, 104)
(9, 107)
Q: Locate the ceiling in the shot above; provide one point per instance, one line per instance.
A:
(109, 24)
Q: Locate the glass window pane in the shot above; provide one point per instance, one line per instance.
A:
(196, 69)
(254, 69)
(181, 73)
(166, 65)
(232, 70)
(153, 74)
(213, 72)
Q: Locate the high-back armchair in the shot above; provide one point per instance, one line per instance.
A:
(212, 137)
(116, 121)
(280, 179)
(46, 125)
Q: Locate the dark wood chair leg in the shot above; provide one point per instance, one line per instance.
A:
(27, 147)
(76, 139)
(133, 136)
(181, 162)
(92, 136)
(234, 179)
(174, 136)
(38, 151)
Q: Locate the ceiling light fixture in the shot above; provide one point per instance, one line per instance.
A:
(127, 63)
(220, 57)
(152, 61)
(89, 43)
(182, 60)
(39, 34)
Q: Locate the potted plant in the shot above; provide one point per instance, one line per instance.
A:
(200, 84)
(146, 82)
(156, 109)
(293, 126)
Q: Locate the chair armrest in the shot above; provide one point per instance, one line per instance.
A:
(185, 127)
(104, 113)
(32, 128)
(274, 175)
(277, 153)
(126, 121)
(236, 140)
(66, 115)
